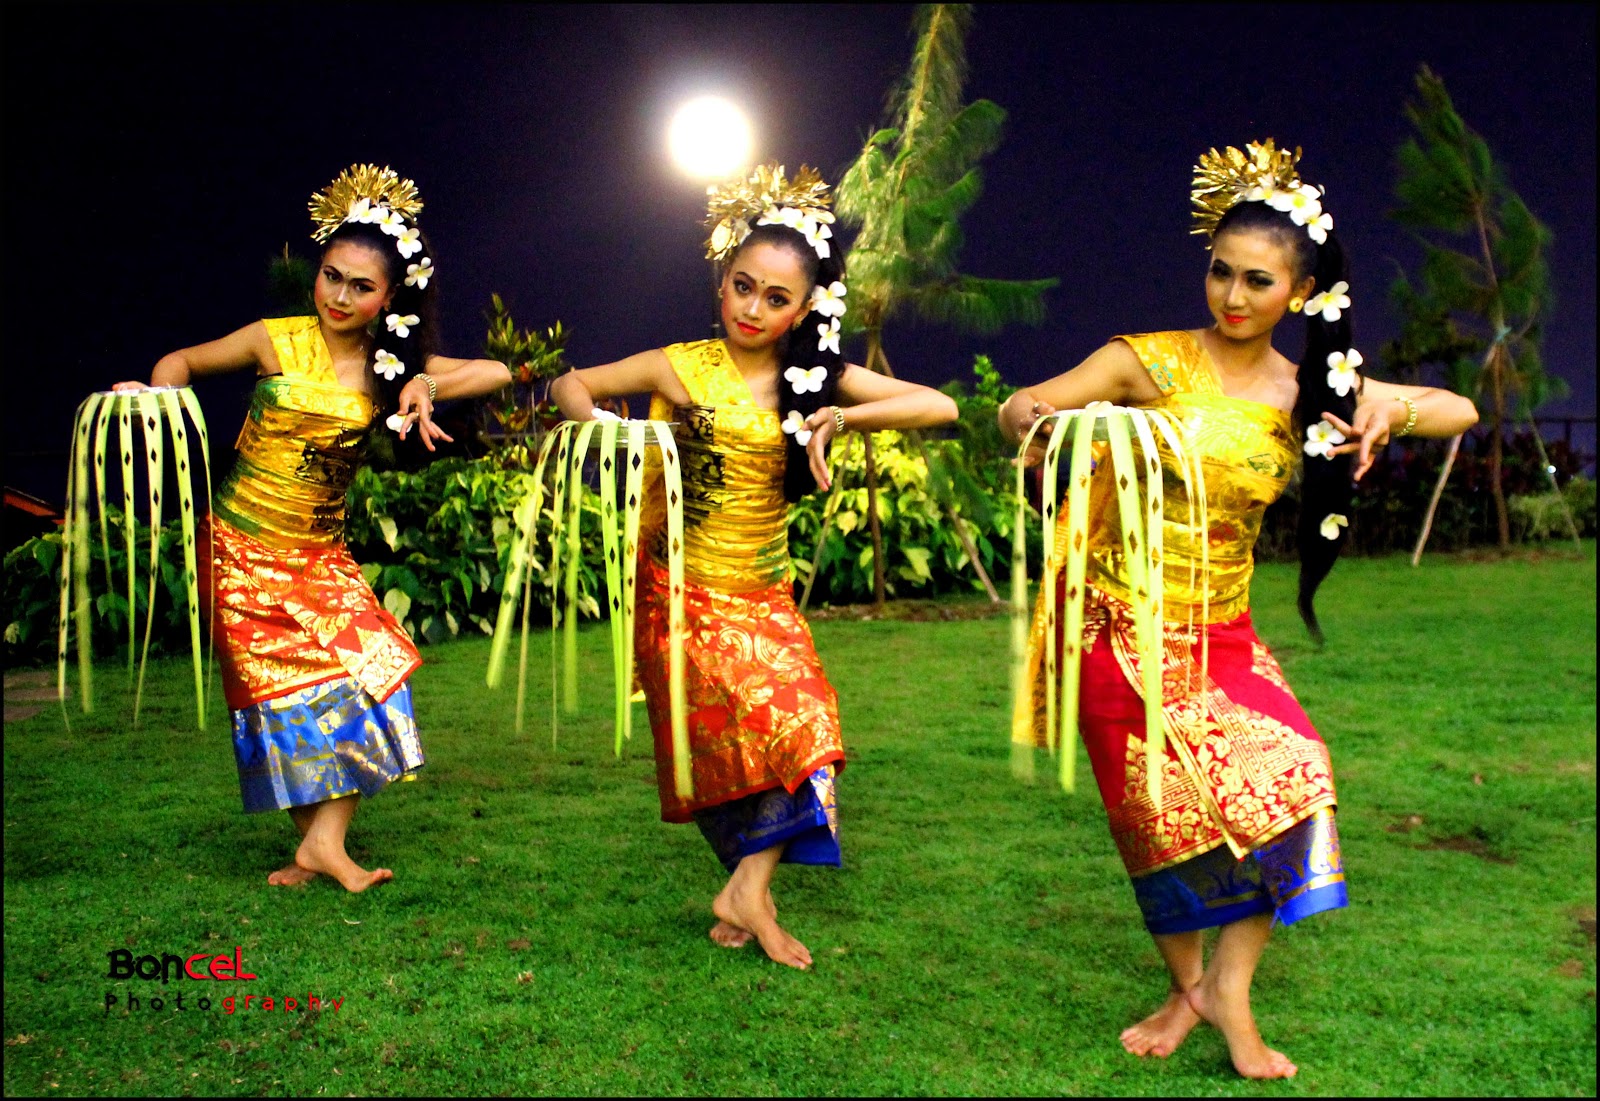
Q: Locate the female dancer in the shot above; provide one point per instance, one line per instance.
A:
(314, 667)
(1245, 832)
(755, 413)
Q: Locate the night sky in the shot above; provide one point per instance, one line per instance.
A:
(155, 158)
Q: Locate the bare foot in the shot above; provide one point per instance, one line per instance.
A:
(313, 856)
(759, 918)
(1160, 1033)
(291, 875)
(1229, 1010)
(730, 936)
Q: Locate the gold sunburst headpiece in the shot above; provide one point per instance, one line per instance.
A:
(1223, 180)
(766, 196)
(359, 193)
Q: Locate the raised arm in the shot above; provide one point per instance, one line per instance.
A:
(647, 372)
(453, 378)
(246, 347)
(1384, 408)
(1113, 373)
(870, 402)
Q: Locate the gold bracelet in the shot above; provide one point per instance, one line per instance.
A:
(1411, 417)
(838, 418)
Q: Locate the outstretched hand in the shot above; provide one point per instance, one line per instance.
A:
(1035, 453)
(1368, 434)
(822, 429)
(417, 408)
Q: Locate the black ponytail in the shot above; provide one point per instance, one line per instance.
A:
(1326, 488)
(802, 348)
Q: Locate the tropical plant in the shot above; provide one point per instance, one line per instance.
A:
(290, 280)
(906, 193)
(517, 411)
(927, 554)
(1476, 309)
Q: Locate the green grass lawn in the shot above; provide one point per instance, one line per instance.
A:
(545, 932)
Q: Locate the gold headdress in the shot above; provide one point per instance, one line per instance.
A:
(767, 197)
(1222, 180)
(360, 193)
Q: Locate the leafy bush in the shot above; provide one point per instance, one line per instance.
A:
(1541, 516)
(33, 593)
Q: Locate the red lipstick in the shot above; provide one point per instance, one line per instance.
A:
(338, 315)
(746, 329)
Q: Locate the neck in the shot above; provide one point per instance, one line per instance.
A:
(1237, 356)
(349, 343)
(752, 361)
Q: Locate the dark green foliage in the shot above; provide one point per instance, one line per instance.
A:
(290, 280)
(518, 410)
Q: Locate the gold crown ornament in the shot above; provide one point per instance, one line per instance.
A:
(363, 193)
(768, 197)
(1262, 173)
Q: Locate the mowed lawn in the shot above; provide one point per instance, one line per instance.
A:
(545, 932)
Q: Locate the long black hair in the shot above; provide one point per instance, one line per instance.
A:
(1326, 488)
(801, 347)
(422, 340)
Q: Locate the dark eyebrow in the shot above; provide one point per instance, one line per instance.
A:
(752, 279)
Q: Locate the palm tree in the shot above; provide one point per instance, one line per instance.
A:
(1477, 309)
(906, 193)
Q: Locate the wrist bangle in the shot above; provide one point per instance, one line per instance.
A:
(1411, 417)
(838, 418)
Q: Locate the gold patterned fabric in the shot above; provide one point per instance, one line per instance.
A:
(1243, 763)
(761, 711)
(299, 447)
(735, 517)
(1248, 452)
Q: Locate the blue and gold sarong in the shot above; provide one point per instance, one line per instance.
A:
(806, 823)
(324, 742)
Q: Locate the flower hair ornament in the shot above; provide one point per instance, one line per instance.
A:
(1262, 173)
(376, 196)
(768, 197)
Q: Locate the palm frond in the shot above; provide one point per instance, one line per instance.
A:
(983, 305)
(931, 92)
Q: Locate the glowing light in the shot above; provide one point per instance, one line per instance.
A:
(709, 138)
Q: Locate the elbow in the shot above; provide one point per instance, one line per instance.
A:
(499, 374)
(944, 410)
(1469, 414)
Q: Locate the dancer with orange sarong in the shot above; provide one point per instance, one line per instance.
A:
(314, 667)
(754, 414)
(1243, 833)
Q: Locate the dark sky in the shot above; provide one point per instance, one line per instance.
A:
(156, 157)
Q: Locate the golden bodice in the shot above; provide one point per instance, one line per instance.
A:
(735, 517)
(1248, 453)
(299, 447)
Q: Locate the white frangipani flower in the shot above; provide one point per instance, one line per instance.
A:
(817, 234)
(1321, 439)
(1319, 227)
(1331, 303)
(1342, 370)
(805, 381)
(1331, 524)
(795, 425)
(409, 242)
(417, 275)
(395, 422)
(390, 221)
(1304, 205)
(829, 300)
(828, 340)
(790, 216)
(400, 324)
(387, 364)
(360, 211)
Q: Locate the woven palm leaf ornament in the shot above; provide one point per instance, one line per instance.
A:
(565, 450)
(151, 410)
(1138, 479)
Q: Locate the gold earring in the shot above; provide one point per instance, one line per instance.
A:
(1296, 304)
(799, 321)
